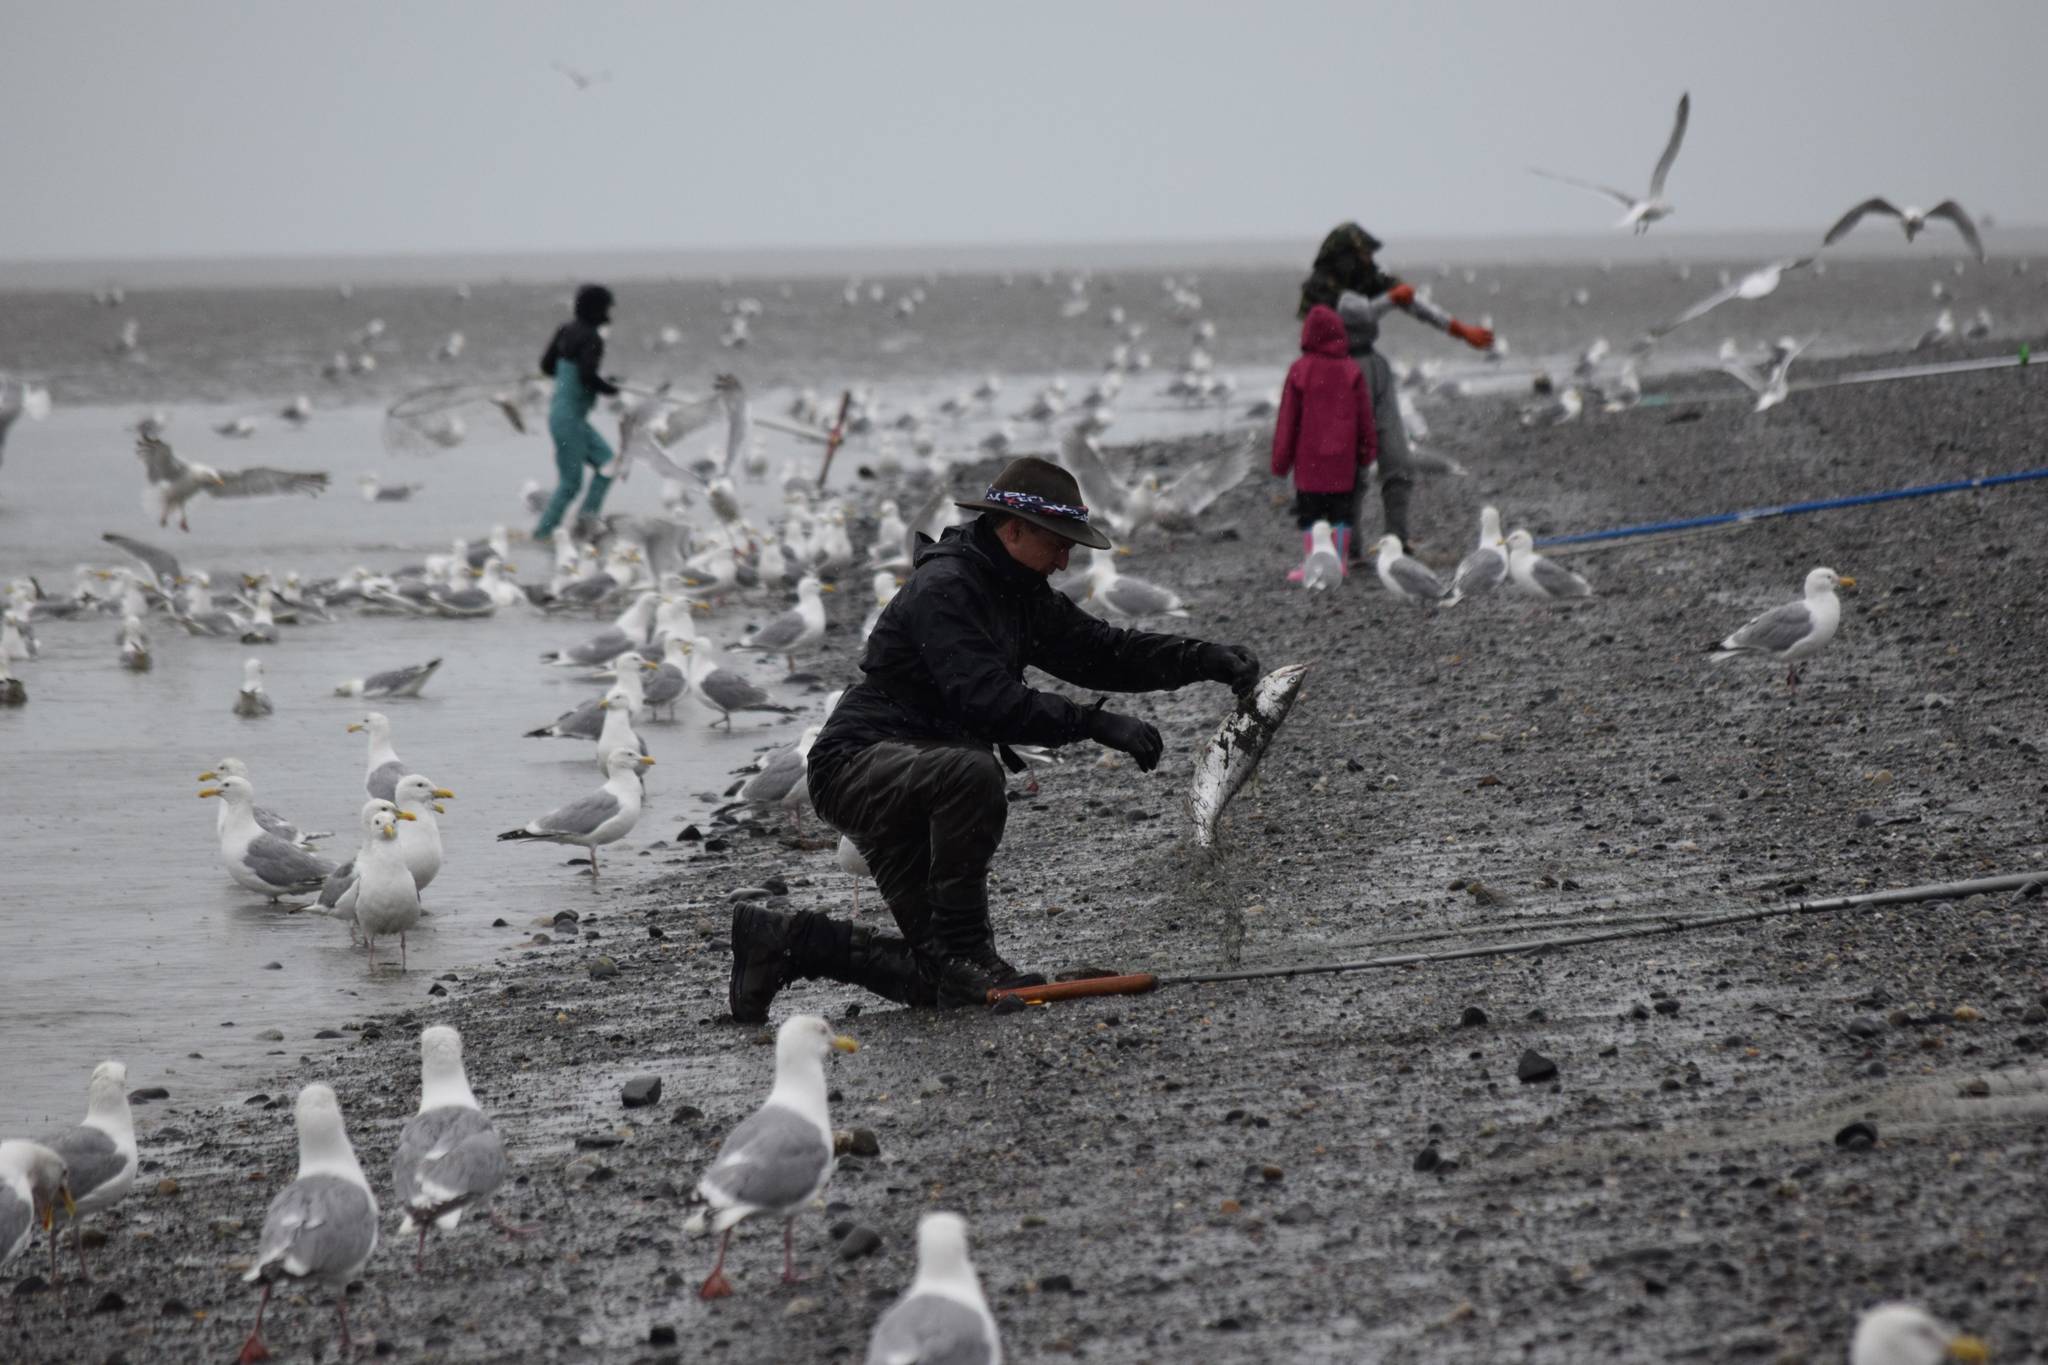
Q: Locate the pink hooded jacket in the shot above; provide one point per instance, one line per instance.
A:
(1325, 434)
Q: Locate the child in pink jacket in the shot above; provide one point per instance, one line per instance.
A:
(1325, 435)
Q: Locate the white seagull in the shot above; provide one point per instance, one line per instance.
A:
(1481, 571)
(604, 817)
(256, 858)
(269, 820)
(1124, 596)
(1321, 568)
(797, 629)
(1406, 577)
(1540, 577)
(943, 1316)
(99, 1155)
(1773, 388)
(383, 768)
(449, 1158)
(31, 1188)
(781, 1157)
(1758, 283)
(321, 1228)
(173, 482)
(1640, 212)
(387, 902)
(1912, 219)
(1795, 630)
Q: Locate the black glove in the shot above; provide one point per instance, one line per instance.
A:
(1233, 665)
(1127, 733)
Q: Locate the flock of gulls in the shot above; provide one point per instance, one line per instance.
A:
(662, 579)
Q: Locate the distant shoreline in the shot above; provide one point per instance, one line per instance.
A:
(800, 262)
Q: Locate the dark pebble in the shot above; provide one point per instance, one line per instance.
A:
(1857, 1137)
(654, 932)
(148, 1093)
(30, 1284)
(596, 1141)
(1427, 1159)
(174, 1308)
(1667, 1006)
(686, 1113)
(437, 989)
(864, 1143)
(566, 917)
(689, 834)
(330, 1033)
(2036, 1014)
(1535, 1067)
(500, 924)
(1865, 1026)
(715, 845)
(861, 1241)
(776, 886)
(1473, 1017)
(603, 969)
(273, 966)
(661, 1334)
(1639, 1011)
(640, 1092)
(1056, 1284)
(110, 1302)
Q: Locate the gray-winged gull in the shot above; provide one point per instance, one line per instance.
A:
(174, 482)
(383, 768)
(99, 1155)
(419, 837)
(1124, 596)
(322, 1228)
(1483, 570)
(605, 816)
(31, 1187)
(587, 720)
(668, 680)
(1540, 577)
(256, 858)
(1641, 211)
(723, 690)
(387, 902)
(797, 629)
(395, 682)
(1912, 220)
(1321, 568)
(1406, 577)
(628, 632)
(943, 1318)
(780, 1157)
(1795, 630)
(269, 820)
(449, 1159)
(252, 701)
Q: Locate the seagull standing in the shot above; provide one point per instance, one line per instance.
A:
(387, 902)
(1641, 212)
(321, 1228)
(1901, 1334)
(943, 1316)
(1795, 630)
(99, 1155)
(604, 817)
(1481, 571)
(449, 1157)
(1540, 577)
(252, 700)
(1323, 567)
(268, 820)
(1406, 577)
(383, 768)
(725, 690)
(1124, 596)
(419, 836)
(780, 1158)
(1913, 220)
(616, 707)
(796, 630)
(667, 680)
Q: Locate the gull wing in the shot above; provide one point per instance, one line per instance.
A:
(1099, 488)
(263, 482)
(1627, 201)
(1671, 147)
(1213, 477)
(1751, 380)
(1415, 577)
(1951, 210)
(1847, 221)
(158, 463)
(1776, 631)
(162, 564)
(658, 456)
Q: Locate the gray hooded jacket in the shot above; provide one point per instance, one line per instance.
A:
(1361, 318)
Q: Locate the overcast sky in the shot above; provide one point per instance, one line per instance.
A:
(138, 128)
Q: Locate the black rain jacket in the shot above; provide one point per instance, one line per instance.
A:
(580, 343)
(946, 660)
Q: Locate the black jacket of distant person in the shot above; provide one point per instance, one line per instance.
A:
(580, 343)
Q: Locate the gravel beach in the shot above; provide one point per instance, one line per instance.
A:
(1337, 1168)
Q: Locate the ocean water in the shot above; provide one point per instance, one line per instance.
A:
(120, 934)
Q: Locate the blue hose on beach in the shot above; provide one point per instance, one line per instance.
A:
(1792, 509)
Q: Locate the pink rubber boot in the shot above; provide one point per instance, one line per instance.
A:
(1308, 543)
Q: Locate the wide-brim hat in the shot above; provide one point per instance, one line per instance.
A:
(1040, 492)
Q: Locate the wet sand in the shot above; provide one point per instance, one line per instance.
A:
(1337, 1168)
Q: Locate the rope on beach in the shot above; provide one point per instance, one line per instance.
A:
(1727, 521)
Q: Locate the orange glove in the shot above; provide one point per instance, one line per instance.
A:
(1478, 338)
(1402, 295)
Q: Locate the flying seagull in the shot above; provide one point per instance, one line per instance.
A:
(1758, 283)
(173, 482)
(1652, 206)
(1912, 219)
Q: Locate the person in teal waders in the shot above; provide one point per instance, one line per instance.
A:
(572, 360)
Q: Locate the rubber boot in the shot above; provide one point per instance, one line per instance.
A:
(955, 957)
(884, 964)
(1308, 545)
(1341, 532)
(770, 949)
(762, 948)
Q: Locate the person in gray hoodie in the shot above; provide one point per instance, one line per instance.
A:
(1361, 318)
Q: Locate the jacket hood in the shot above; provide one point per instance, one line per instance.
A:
(974, 540)
(594, 305)
(1361, 321)
(1322, 333)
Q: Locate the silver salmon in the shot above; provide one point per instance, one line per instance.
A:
(1241, 741)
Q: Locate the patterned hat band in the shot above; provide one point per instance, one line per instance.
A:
(1031, 502)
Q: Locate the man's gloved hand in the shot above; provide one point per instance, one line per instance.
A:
(1478, 338)
(1233, 665)
(1401, 295)
(1127, 734)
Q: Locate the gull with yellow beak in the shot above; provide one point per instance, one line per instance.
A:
(606, 816)
(1901, 1334)
(387, 902)
(381, 773)
(32, 1184)
(1795, 631)
(796, 630)
(256, 858)
(781, 1157)
(270, 820)
(419, 838)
